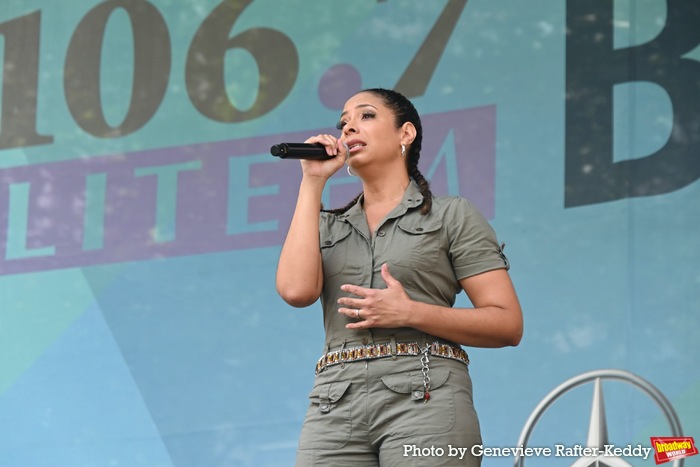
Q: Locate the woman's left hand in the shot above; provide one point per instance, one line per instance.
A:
(376, 308)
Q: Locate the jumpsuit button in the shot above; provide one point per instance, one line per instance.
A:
(419, 229)
(381, 233)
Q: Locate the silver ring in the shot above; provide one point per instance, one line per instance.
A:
(357, 314)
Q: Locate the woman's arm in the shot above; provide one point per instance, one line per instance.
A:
(299, 277)
(495, 321)
(299, 273)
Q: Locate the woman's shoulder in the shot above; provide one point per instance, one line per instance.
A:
(327, 219)
(451, 205)
(333, 224)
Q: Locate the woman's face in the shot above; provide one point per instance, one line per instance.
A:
(368, 128)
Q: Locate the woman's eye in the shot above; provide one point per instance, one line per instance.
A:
(364, 116)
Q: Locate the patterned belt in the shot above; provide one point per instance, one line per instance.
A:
(372, 352)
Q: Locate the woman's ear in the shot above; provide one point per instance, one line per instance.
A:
(408, 133)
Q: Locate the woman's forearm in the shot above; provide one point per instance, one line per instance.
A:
(475, 327)
(299, 271)
(495, 321)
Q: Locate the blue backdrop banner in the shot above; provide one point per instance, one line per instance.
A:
(142, 215)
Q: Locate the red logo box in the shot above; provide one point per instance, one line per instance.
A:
(668, 448)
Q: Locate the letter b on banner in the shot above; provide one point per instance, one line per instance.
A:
(593, 68)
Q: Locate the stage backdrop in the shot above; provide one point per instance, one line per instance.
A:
(141, 215)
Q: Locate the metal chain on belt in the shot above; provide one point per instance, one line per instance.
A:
(425, 360)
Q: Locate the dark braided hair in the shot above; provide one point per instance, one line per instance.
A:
(404, 111)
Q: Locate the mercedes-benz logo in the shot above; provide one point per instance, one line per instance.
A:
(598, 431)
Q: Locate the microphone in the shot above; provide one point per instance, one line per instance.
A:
(310, 151)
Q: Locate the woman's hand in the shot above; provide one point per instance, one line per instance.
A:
(325, 168)
(376, 308)
(495, 321)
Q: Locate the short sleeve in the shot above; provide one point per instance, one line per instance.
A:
(473, 246)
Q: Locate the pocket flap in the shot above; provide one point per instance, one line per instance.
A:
(329, 237)
(405, 383)
(329, 392)
(420, 226)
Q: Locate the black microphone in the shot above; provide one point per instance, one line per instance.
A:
(310, 151)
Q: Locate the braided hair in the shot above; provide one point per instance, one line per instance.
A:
(404, 111)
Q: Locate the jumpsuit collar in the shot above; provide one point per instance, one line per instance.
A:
(355, 216)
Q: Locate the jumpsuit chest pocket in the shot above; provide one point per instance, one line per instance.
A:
(334, 250)
(418, 243)
(328, 422)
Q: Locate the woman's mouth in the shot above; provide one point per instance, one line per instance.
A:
(354, 145)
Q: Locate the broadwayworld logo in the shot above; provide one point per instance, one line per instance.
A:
(672, 448)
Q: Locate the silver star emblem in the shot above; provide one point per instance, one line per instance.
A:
(598, 435)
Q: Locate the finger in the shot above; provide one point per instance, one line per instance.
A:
(332, 146)
(388, 278)
(343, 149)
(349, 302)
(355, 290)
(350, 312)
(358, 325)
(329, 141)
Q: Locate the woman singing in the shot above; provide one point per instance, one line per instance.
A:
(393, 376)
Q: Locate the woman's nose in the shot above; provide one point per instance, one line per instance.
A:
(349, 128)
